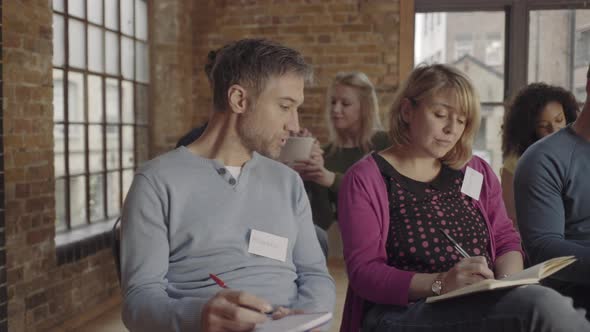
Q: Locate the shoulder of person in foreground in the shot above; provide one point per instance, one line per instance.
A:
(275, 170)
(364, 167)
(549, 154)
(166, 163)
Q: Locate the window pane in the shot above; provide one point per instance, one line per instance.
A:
(95, 49)
(60, 205)
(128, 146)
(58, 150)
(112, 101)
(94, 11)
(58, 40)
(77, 152)
(112, 52)
(58, 95)
(75, 97)
(95, 144)
(114, 192)
(78, 201)
(141, 101)
(111, 12)
(478, 51)
(58, 5)
(127, 17)
(76, 8)
(141, 62)
(141, 19)
(488, 141)
(141, 145)
(127, 180)
(559, 48)
(127, 102)
(113, 156)
(127, 57)
(97, 197)
(95, 111)
(77, 43)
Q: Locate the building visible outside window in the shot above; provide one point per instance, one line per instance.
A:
(583, 47)
(553, 58)
(463, 45)
(494, 52)
(466, 51)
(100, 115)
(558, 52)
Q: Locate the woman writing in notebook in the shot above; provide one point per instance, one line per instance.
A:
(393, 203)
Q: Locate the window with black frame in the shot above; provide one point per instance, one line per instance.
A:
(479, 53)
(100, 91)
(502, 45)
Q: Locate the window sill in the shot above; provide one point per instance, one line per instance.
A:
(82, 242)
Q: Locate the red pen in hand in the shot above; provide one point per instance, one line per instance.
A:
(222, 284)
(218, 281)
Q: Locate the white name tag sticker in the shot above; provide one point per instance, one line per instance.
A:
(472, 183)
(268, 245)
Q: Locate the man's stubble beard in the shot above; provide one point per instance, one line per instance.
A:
(251, 135)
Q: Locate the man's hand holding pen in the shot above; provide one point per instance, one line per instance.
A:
(233, 310)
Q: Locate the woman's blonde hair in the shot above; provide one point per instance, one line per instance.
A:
(424, 83)
(369, 119)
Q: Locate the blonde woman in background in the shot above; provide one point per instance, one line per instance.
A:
(352, 115)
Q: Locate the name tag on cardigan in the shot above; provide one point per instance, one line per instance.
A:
(472, 183)
(268, 245)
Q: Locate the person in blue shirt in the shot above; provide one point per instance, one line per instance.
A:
(552, 196)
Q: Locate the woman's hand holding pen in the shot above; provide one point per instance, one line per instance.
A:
(466, 272)
(233, 310)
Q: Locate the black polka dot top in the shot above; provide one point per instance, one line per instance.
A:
(418, 209)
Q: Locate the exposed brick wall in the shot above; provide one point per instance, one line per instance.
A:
(333, 35)
(40, 293)
(172, 82)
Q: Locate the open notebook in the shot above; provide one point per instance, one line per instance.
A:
(532, 275)
(295, 323)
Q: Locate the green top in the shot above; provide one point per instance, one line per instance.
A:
(323, 200)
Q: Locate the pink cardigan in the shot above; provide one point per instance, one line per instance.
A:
(363, 217)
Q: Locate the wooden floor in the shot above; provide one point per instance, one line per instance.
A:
(109, 317)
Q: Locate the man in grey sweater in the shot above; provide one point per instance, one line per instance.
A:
(552, 196)
(217, 206)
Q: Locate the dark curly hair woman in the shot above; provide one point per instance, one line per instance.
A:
(538, 110)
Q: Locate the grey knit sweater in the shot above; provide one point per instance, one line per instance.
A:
(185, 217)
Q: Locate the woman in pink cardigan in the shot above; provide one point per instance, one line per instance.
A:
(394, 204)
